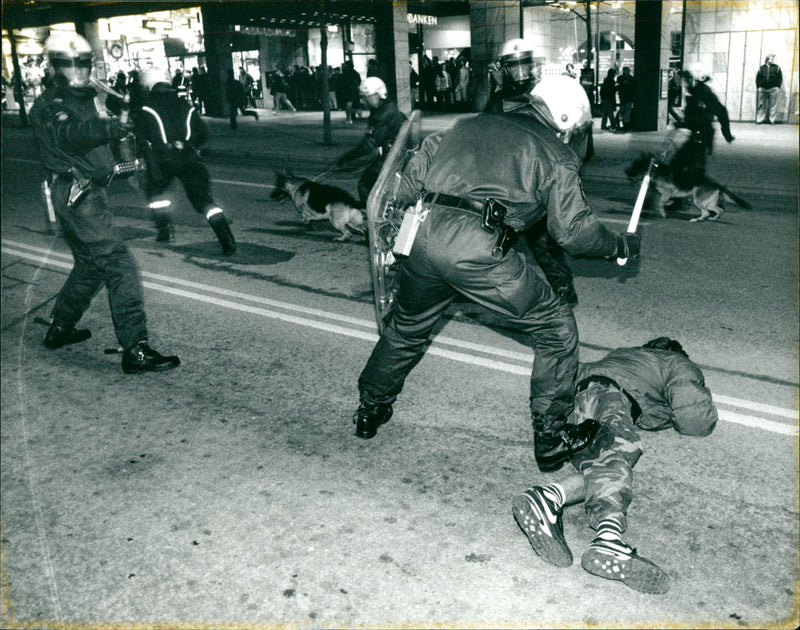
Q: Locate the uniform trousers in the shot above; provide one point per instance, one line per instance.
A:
(184, 164)
(101, 257)
(607, 463)
(452, 254)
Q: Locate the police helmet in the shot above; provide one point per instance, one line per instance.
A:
(566, 102)
(70, 58)
(149, 77)
(516, 60)
(374, 85)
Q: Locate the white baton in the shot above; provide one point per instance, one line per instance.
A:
(637, 209)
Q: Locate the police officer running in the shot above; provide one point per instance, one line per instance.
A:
(383, 126)
(73, 143)
(171, 131)
(477, 185)
(702, 107)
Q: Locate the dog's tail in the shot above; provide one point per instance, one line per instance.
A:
(737, 199)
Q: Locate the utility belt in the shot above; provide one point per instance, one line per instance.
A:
(491, 211)
(80, 185)
(636, 410)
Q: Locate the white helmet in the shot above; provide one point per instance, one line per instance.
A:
(70, 58)
(566, 100)
(374, 85)
(516, 59)
(149, 77)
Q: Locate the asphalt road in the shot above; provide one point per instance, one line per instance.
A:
(231, 491)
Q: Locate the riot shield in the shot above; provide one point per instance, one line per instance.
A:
(382, 216)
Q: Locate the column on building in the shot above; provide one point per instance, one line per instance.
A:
(217, 40)
(650, 56)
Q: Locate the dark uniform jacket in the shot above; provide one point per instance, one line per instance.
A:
(166, 119)
(668, 387)
(382, 128)
(71, 135)
(702, 106)
(525, 167)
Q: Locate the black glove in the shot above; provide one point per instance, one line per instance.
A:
(629, 244)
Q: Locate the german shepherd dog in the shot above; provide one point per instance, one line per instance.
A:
(706, 196)
(319, 202)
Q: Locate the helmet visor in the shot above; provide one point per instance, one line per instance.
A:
(60, 63)
(519, 70)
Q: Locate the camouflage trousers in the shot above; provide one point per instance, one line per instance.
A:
(607, 463)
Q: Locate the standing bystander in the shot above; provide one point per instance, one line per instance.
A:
(768, 81)
(625, 89)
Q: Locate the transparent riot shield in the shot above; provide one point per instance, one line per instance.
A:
(383, 215)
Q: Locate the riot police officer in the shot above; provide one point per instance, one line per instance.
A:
(74, 146)
(383, 125)
(479, 183)
(519, 76)
(171, 130)
(702, 107)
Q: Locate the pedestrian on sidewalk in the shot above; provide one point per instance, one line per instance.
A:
(608, 100)
(383, 126)
(768, 83)
(237, 99)
(350, 82)
(652, 388)
(625, 90)
(279, 92)
(674, 96)
(171, 132)
(74, 146)
(478, 185)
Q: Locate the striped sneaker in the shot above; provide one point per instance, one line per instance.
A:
(540, 519)
(618, 561)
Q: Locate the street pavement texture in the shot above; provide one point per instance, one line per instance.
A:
(231, 493)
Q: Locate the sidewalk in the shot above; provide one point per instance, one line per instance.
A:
(761, 158)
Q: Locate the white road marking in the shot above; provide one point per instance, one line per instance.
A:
(36, 255)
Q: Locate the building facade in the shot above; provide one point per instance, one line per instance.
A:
(730, 38)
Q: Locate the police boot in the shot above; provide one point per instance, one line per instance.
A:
(368, 418)
(58, 336)
(221, 228)
(142, 358)
(165, 227)
(557, 444)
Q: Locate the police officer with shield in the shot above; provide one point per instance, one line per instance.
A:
(475, 187)
(74, 146)
(171, 130)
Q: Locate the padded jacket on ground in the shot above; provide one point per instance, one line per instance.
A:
(669, 388)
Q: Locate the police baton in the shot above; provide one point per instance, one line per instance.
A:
(637, 208)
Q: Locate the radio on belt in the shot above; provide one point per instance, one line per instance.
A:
(413, 218)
